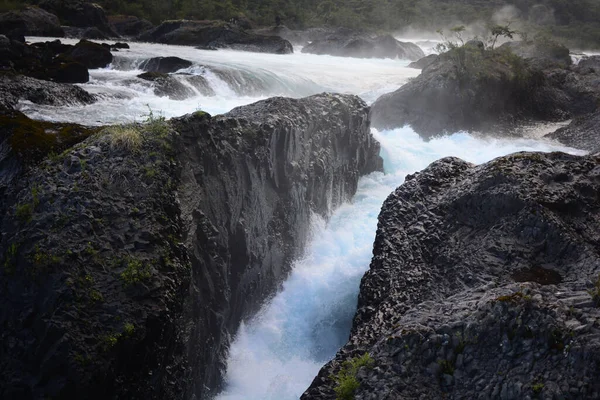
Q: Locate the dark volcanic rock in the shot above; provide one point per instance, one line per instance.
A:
(467, 89)
(478, 286)
(582, 133)
(344, 45)
(215, 34)
(80, 14)
(32, 21)
(424, 62)
(90, 54)
(134, 293)
(130, 26)
(16, 87)
(164, 65)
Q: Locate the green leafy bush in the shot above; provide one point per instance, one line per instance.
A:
(346, 381)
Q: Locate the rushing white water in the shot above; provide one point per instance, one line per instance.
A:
(277, 354)
(254, 76)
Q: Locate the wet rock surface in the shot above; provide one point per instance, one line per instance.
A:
(482, 284)
(128, 261)
(350, 44)
(215, 34)
(424, 62)
(178, 87)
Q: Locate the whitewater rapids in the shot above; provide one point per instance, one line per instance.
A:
(276, 354)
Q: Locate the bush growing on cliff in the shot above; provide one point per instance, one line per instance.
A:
(346, 381)
(126, 137)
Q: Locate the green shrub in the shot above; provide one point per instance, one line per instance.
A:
(346, 381)
(135, 272)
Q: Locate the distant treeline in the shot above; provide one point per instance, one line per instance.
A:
(571, 19)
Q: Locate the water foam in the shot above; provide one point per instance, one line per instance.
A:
(276, 355)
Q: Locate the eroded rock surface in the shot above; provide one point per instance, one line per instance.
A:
(128, 261)
(582, 133)
(479, 284)
(351, 44)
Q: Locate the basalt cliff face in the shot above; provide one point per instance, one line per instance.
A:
(128, 260)
(483, 284)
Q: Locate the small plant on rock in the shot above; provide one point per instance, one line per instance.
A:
(595, 291)
(346, 380)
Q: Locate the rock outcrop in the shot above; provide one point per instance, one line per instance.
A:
(80, 14)
(348, 44)
(582, 133)
(476, 90)
(31, 21)
(128, 261)
(17, 87)
(484, 283)
(215, 34)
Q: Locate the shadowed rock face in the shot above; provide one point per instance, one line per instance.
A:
(440, 310)
(126, 268)
(81, 14)
(215, 34)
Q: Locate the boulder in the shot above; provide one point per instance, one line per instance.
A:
(582, 133)
(589, 65)
(349, 44)
(483, 284)
(424, 62)
(90, 54)
(119, 46)
(17, 87)
(141, 289)
(80, 14)
(129, 26)
(215, 34)
(490, 91)
(31, 21)
(71, 72)
(164, 65)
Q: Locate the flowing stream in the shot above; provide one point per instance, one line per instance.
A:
(278, 353)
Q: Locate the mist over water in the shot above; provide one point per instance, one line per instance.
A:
(277, 354)
(237, 78)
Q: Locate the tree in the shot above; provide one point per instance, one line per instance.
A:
(501, 30)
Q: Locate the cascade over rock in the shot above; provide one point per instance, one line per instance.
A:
(129, 260)
(483, 284)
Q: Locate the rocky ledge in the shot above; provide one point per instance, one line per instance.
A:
(582, 133)
(473, 89)
(213, 35)
(484, 283)
(348, 43)
(128, 260)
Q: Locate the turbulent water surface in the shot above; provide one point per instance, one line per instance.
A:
(277, 354)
